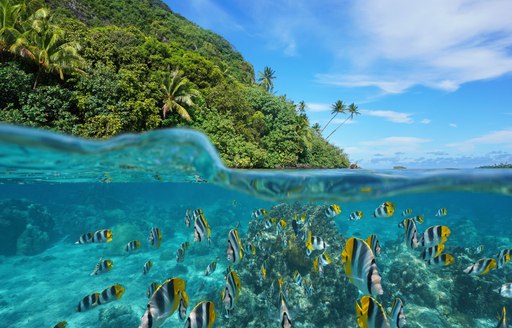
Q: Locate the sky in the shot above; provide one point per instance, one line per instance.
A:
(432, 79)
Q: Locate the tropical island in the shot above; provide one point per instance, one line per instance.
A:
(96, 69)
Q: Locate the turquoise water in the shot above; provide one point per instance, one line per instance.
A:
(56, 188)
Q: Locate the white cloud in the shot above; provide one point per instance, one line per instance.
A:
(395, 142)
(425, 121)
(318, 107)
(452, 125)
(392, 116)
(501, 137)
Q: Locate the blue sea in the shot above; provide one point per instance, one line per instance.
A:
(55, 188)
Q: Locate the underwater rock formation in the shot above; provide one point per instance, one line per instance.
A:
(118, 316)
(29, 226)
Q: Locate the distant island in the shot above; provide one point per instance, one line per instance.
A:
(96, 69)
(497, 166)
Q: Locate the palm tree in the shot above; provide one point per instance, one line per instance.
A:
(316, 128)
(44, 43)
(266, 78)
(337, 108)
(301, 107)
(10, 18)
(352, 110)
(178, 95)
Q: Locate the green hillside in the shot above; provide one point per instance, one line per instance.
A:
(96, 68)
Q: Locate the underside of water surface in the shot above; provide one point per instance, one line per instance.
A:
(54, 189)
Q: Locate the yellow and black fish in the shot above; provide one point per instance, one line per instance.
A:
(155, 237)
(183, 305)
(264, 270)
(332, 211)
(320, 262)
(503, 257)
(231, 292)
(151, 289)
(407, 211)
(102, 236)
(370, 313)
(147, 266)
(434, 235)
(441, 260)
(285, 320)
(201, 228)
(188, 217)
(197, 213)
(432, 252)
(374, 243)
(86, 238)
(88, 302)
(385, 210)
(250, 248)
(503, 323)
(111, 293)
(315, 243)
(102, 266)
(360, 267)
(298, 278)
(411, 234)
(397, 315)
(163, 303)
(180, 253)
(235, 251)
(356, 216)
(481, 267)
(202, 316)
(259, 213)
(62, 324)
(442, 212)
(132, 246)
(211, 267)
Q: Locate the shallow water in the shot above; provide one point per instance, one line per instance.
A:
(55, 188)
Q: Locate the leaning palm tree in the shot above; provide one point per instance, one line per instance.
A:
(44, 43)
(266, 78)
(337, 108)
(316, 129)
(352, 110)
(10, 19)
(178, 95)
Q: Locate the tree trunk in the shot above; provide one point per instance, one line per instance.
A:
(37, 78)
(332, 118)
(337, 128)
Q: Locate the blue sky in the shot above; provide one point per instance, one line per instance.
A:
(432, 79)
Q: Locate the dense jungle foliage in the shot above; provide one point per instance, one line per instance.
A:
(95, 69)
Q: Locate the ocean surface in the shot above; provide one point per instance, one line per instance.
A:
(55, 188)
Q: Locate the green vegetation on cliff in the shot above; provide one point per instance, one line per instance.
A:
(96, 68)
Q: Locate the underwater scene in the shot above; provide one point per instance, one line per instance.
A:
(152, 230)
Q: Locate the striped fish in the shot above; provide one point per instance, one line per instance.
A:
(182, 307)
(332, 211)
(503, 257)
(442, 212)
(231, 292)
(259, 213)
(86, 238)
(503, 323)
(360, 267)
(197, 213)
(151, 289)
(441, 260)
(102, 236)
(298, 278)
(155, 237)
(62, 324)
(356, 216)
(188, 217)
(264, 270)
(370, 313)
(211, 267)
(374, 243)
(202, 316)
(407, 211)
(434, 235)
(285, 320)
(111, 293)
(385, 210)
(235, 250)
(88, 302)
(147, 266)
(163, 303)
(397, 315)
(432, 252)
(132, 246)
(411, 234)
(481, 267)
(201, 228)
(102, 266)
(505, 290)
(315, 243)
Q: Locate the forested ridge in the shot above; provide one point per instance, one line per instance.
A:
(95, 69)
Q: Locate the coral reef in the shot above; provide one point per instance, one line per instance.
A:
(118, 316)
(30, 227)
